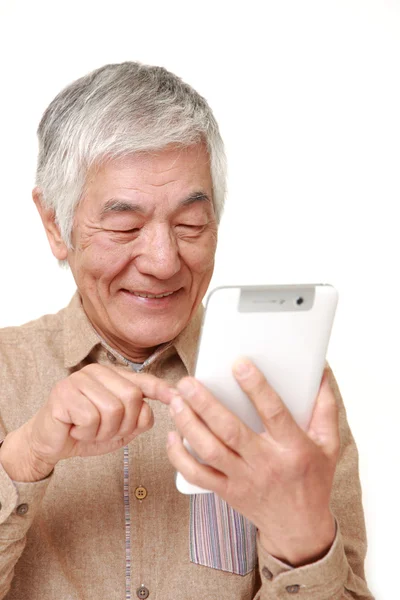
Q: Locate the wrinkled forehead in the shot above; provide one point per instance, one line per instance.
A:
(173, 174)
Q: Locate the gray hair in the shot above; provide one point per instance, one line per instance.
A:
(114, 111)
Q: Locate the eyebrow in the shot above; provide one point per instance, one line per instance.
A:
(116, 205)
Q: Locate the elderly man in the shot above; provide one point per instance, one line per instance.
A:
(130, 189)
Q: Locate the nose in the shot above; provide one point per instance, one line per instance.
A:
(159, 256)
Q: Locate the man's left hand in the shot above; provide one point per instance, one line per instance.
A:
(281, 479)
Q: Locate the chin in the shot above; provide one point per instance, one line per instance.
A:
(153, 336)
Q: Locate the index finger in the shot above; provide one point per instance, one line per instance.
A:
(274, 414)
(151, 386)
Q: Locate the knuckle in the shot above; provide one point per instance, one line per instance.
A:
(62, 391)
(92, 369)
(231, 433)
(276, 416)
(202, 404)
(89, 419)
(131, 394)
(300, 461)
(212, 455)
(75, 380)
(113, 410)
(187, 422)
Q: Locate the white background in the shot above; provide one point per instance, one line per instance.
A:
(307, 95)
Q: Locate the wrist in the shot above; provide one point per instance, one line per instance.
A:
(298, 551)
(18, 460)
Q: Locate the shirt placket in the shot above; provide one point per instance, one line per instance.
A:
(142, 591)
(127, 509)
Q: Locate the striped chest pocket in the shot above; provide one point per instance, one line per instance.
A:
(220, 537)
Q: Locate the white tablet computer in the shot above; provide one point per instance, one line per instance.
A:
(283, 329)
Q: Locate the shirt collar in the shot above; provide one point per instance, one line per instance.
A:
(186, 343)
(80, 337)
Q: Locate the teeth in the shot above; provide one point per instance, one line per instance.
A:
(152, 295)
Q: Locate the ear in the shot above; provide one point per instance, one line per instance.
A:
(57, 244)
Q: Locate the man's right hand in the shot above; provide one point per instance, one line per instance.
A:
(93, 411)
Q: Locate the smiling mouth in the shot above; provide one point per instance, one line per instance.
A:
(151, 296)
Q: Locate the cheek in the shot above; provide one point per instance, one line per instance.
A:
(102, 259)
(199, 258)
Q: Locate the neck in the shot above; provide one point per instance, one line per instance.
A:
(135, 355)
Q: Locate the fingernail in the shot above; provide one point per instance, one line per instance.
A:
(171, 439)
(242, 367)
(186, 388)
(176, 405)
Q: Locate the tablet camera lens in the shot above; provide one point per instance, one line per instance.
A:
(299, 301)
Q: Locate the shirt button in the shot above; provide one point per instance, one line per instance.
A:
(111, 357)
(142, 592)
(267, 573)
(22, 509)
(292, 589)
(141, 493)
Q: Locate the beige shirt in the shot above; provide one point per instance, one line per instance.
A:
(114, 527)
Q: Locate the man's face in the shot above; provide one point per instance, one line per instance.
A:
(145, 226)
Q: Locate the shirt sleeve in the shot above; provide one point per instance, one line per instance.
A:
(19, 503)
(339, 575)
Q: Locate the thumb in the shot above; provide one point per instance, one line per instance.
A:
(145, 419)
(324, 425)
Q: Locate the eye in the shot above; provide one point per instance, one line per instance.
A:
(192, 226)
(133, 230)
